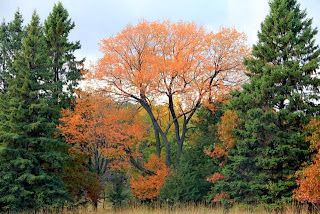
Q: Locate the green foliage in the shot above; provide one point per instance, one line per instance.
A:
(188, 181)
(273, 107)
(11, 35)
(4, 40)
(38, 72)
(64, 65)
(117, 189)
(30, 157)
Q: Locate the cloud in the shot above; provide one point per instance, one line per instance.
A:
(100, 19)
(247, 16)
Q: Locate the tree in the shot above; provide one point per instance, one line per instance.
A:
(309, 178)
(272, 108)
(176, 64)
(308, 182)
(188, 181)
(104, 131)
(66, 69)
(4, 39)
(147, 187)
(11, 36)
(229, 122)
(117, 190)
(82, 184)
(30, 157)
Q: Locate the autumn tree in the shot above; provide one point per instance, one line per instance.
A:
(147, 187)
(309, 178)
(179, 65)
(219, 149)
(229, 122)
(104, 131)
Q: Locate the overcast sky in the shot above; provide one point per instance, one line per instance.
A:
(99, 19)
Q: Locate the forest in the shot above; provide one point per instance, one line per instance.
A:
(171, 117)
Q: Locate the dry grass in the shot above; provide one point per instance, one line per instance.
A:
(186, 209)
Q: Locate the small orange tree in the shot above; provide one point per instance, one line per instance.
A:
(148, 186)
(103, 130)
(229, 122)
(309, 178)
(176, 64)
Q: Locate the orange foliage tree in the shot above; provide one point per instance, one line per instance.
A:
(103, 130)
(229, 122)
(309, 178)
(179, 65)
(148, 187)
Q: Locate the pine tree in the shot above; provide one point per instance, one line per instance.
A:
(11, 36)
(16, 34)
(273, 107)
(188, 180)
(64, 65)
(4, 40)
(30, 161)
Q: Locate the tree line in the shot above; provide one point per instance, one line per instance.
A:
(176, 114)
(37, 62)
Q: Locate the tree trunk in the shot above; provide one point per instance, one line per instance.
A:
(158, 143)
(179, 150)
(168, 151)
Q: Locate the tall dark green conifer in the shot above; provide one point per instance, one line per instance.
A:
(4, 40)
(16, 34)
(30, 160)
(274, 106)
(64, 65)
(188, 181)
(11, 36)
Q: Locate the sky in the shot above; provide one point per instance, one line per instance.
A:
(99, 19)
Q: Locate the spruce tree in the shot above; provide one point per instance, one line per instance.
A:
(64, 65)
(16, 34)
(11, 35)
(279, 99)
(30, 161)
(4, 40)
(188, 180)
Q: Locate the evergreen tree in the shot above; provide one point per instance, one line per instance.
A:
(16, 34)
(117, 189)
(4, 40)
(30, 160)
(11, 36)
(273, 107)
(188, 181)
(64, 65)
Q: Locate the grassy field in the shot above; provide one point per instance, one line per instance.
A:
(187, 209)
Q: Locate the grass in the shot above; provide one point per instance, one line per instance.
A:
(186, 209)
